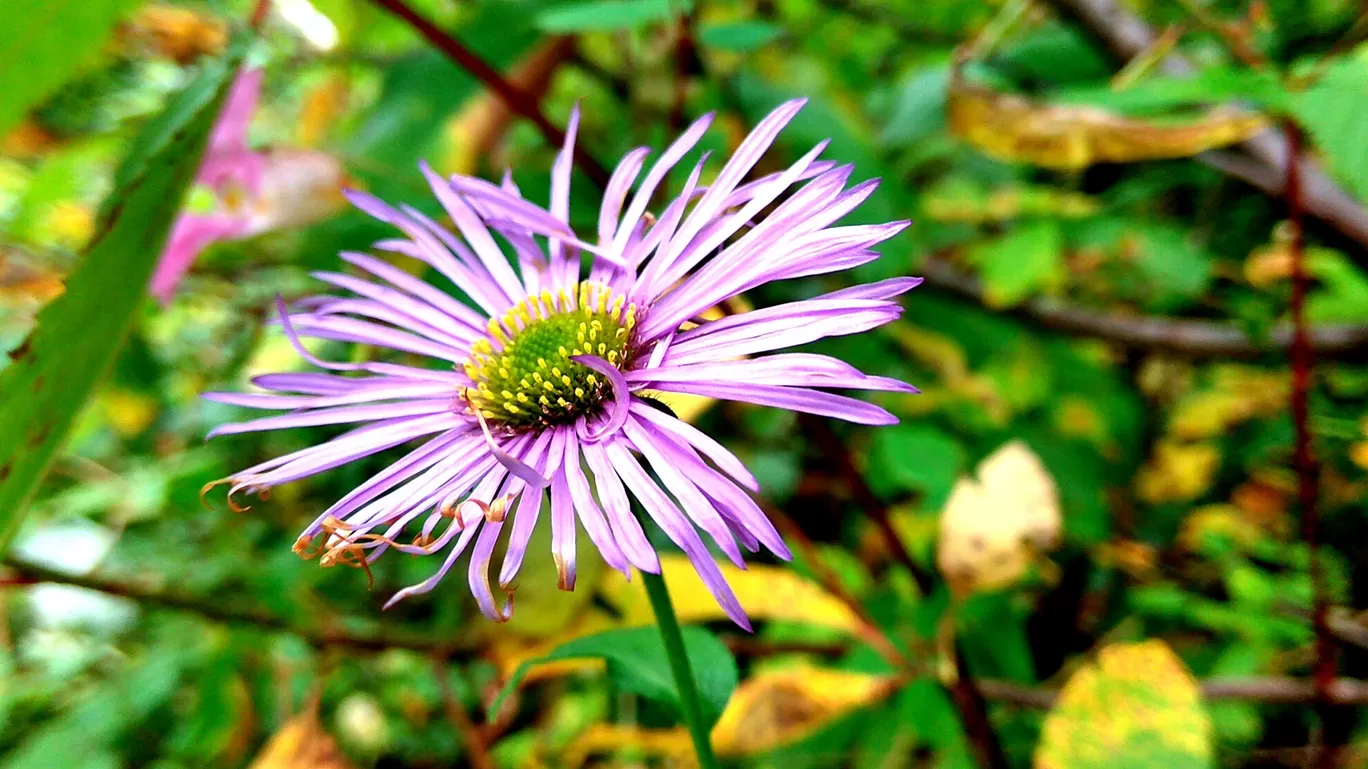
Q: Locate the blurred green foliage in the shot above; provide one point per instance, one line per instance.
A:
(205, 635)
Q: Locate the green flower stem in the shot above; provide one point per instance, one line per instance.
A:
(679, 665)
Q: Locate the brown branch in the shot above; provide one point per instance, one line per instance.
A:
(749, 646)
(869, 630)
(1267, 689)
(443, 645)
(1194, 338)
(831, 445)
(519, 100)
(964, 690)
(1260, 161)
(259, 13)
(1303, 368)
(477, 749)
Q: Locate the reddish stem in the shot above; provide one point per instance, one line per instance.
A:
(1303, 366)
(518, 100)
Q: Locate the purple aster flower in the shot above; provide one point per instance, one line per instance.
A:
(540, 389)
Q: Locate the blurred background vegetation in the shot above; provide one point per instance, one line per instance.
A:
(1083, 545)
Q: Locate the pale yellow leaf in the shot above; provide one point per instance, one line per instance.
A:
(1136, 707)
(993, 527)
(766, 592)
(780, 707)
(1067, 137)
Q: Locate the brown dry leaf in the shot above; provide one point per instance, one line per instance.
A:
(29, 140)
(1137, 559)
(24, 284)
(177, 33)
(1066, 137)
(473, 132)
(301, 744)
(993, 527)
(767, 592)
(780, 707)
(1137, 706)
(1178, 472)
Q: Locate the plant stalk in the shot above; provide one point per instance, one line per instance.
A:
(689, 700)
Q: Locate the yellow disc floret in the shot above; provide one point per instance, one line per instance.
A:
(523, 375)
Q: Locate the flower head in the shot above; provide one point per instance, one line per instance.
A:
(542, 380)
(253, 191)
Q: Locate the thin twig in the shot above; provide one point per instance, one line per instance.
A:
(1303, 367)
(477, 750)
(1268, 689)
(869, 632)
(831, 445)
(1193, 338)
(215, 609)
(259, 13)
(1260, 161)
(519, 100)
(964, 691)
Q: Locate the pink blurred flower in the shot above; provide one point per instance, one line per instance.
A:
(254, 191)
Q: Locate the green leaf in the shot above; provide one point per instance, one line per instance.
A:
(637, 663)
(921, 107)
(609, 14)
(117, 706)
(1165, 93)
(78, 335)
(909, 457)
(1020, 263)
(46, 43)
(1331, 111)
(740, 36)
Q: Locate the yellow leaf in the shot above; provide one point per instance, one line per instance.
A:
(1137, 706)
(301, 744)
(323, 104)
(1217, 521)
(1358, 454)
(766, 592)
(993, 527)
(69, 222)
(129, 412)
(1014, 128)
(780, 707)
(1178, 472)
(639, 741)
(507, 651)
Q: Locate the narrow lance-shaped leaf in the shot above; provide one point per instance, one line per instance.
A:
(77, 337)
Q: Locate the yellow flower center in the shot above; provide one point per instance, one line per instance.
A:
(523, 372)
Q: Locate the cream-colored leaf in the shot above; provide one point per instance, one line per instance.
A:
(993, 526)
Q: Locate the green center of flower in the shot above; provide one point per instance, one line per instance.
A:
(523, 374)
